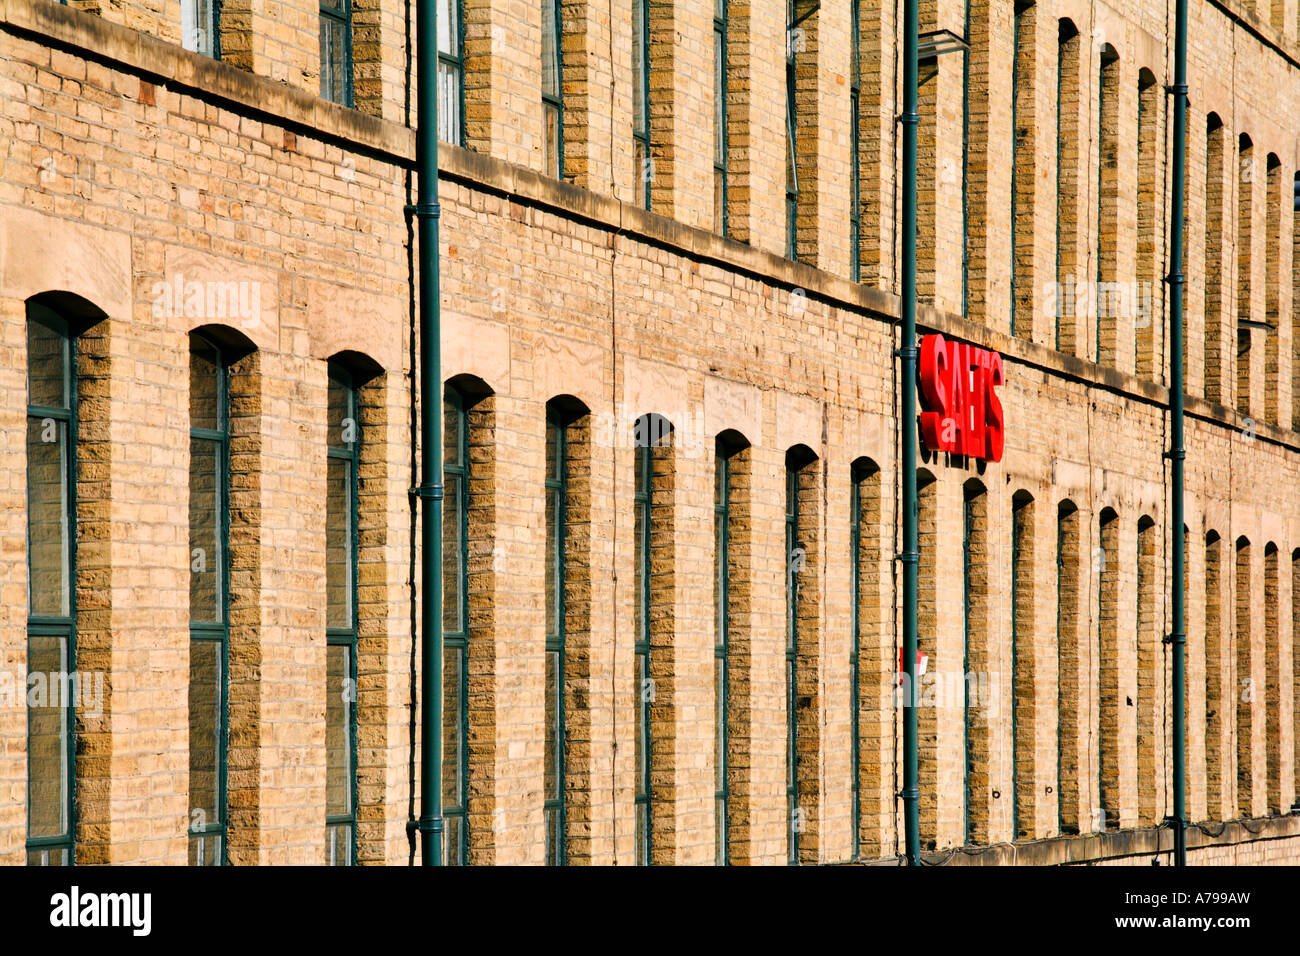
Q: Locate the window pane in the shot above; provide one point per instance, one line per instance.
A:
(452, 556)
(197, 27)
(449, 124)
(333, 59)
(719, 99)
(338, 844)
(48, 506)
(452, 414)
(550, 54)
(453, 727)
(449, 27)
(340, 692)
(205, 733)
(342, 421)
(453, 841)
(642, 725)
(720, 718)
(47, 736)
(205, 849)
(206, 557)
(205, 386)
(554, 745)
(552, 144)
(339, 532)
(640, 121)
(48, 365)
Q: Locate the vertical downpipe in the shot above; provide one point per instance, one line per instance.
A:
(1177, 453)
(427, 212)
(907, 354)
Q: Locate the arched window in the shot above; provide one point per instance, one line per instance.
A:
(1244, 688)
(1070, 686)
(209, 599)
(1215, 696)
(1024, 677)
(975, 661)
(653, 525)
(865, 703)
(1106, 559)
(343, 461)
(1147, 645)
(1069, 245)
(51, 569)
(728, 452)
(800, 674)
(1107, 207)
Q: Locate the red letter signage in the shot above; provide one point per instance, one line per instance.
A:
(962, 414)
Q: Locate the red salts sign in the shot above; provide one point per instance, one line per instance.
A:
(962, 413)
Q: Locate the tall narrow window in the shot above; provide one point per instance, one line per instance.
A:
(209, 600)
(336, 51)
(855, 154)
(721, 649)
(652, 531)
(1146, 362)
(1272, 686)
(720, 144)
(1245, 258)
(451, 73)
(1295, 324)
(552, 89)
(199, 32)
(1215, 299)
(1024, 138)
(557, 474)
(792, 43)
(794, 556)
(927, 641)
(455, 630)
(975, 663)
(1295, 671)
(1068, 246)
(51, 576)
(1024, 686)
(641, 99)
(1069, 687)
(1272, 289)
(1109, 671)
(1244, 689)
(343, 450)
(1147, 678)
(1215, 722)
(1107, 205)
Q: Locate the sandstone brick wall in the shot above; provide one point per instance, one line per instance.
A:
(114, 180)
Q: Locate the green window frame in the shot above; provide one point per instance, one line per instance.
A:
(642, 504)
(554, 804)
(51, 567)
(342, 615)
(791, 135)
(968, 757)
(1019, 520)
(552, 89)
(859, 488)
(455, 639)
(792, 662)
(336, 51)
(451, 72)
(209, 534)
(641, 99)
(200, 27)
(721, 146)
(855, 159)
(721, 655)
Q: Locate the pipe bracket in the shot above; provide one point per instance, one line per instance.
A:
(432, 492)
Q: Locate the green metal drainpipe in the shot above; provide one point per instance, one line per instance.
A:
(427, 212)
(907, 354)
(1178, 453)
